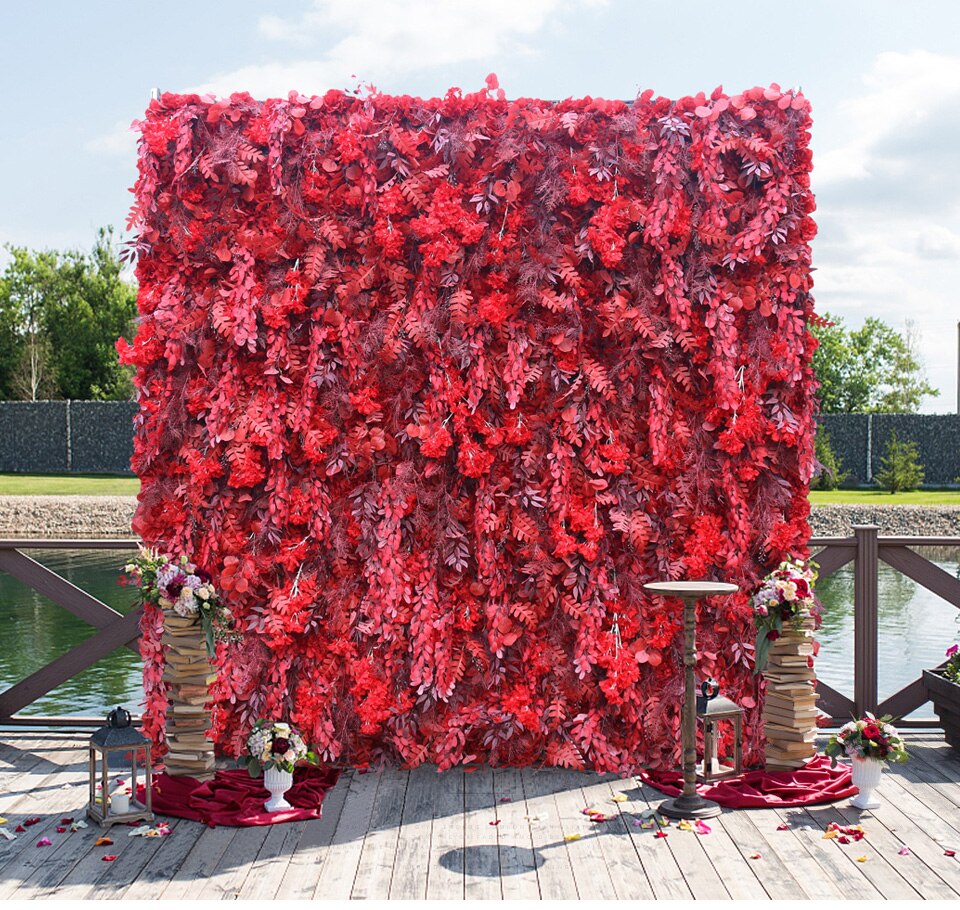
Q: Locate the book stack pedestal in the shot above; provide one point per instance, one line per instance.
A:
(790, 705)
(189, 674)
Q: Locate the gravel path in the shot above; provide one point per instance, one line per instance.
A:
(110, 516)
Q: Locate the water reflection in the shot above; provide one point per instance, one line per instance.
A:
(915, 625)
(35, 631)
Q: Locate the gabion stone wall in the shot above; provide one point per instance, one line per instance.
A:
(937, 437)
(66, 437)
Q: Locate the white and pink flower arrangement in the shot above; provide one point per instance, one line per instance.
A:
(175, 583)
(868, 738)
(785, 596)
(274, 744)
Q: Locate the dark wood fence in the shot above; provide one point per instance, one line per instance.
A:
(114, 630)
(866, 549)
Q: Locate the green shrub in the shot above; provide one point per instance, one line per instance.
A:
(831, 473)
(901, 469)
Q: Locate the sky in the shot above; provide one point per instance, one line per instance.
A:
(883, 79)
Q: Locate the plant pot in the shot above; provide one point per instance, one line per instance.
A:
(866, 778)
(277, 782)
(945, 696)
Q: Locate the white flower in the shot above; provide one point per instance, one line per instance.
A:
(186, 604)
(193, 582)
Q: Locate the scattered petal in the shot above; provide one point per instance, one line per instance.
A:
(572, 837)
(701, 827)
(3, 820)
(861, 859)
(108, 857)
(647, 813)
(904, 850)
(755, 856)
(61, 829)
(600, 817)
(33, 821)
(495, 822)
(505, 799)
(843, 839)
(684, 825)
(661, 834)
(619, 797)
(102, 842)
(7, 835)
(44, 842)
(78, 824)
(19, 829)
(66, 821)
(949, 852)
(638, 823)
(829, 834)
(783, 827)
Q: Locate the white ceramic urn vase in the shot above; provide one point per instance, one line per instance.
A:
(866, 778)
(277, 782)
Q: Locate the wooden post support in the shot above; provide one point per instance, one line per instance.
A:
(865, 619)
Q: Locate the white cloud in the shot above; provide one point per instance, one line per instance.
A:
(120, 142)
(888, 198)
(377, 40)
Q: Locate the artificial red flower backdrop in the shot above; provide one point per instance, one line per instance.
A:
(432, 387)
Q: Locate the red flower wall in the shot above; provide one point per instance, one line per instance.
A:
(433, 387)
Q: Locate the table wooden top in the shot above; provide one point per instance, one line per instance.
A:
(690, 588)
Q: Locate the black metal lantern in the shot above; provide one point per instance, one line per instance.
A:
(119, 738)
(712, 710)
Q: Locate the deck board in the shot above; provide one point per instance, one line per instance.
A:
(419, 835)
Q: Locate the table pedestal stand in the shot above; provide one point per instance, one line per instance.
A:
(689, 804)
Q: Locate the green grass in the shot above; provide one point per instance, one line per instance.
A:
(105, 485)
(880, 498)
(67, 485)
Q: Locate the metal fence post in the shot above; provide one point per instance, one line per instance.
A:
(865, 619)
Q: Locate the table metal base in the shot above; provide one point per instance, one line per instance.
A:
(689, 807)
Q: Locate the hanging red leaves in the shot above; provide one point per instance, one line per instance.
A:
(433, 387)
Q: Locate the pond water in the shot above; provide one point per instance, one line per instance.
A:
(916, 627)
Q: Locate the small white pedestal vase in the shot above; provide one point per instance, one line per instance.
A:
(277, 782)
(866, 778)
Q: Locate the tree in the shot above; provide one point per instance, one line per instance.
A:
(60, 314)
(900, 466)
(831, 473)
(873, 368)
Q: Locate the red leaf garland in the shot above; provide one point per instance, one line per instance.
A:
(433, 387)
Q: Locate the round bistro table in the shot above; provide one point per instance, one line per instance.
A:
(689, 804)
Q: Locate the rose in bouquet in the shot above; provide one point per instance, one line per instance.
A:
(952, 669)
(179, 585)
(868, 737)
(274, 744)
(785, 597)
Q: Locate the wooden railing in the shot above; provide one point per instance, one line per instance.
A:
(114, 630)
(866, 549)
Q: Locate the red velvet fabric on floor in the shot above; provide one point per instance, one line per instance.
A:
(235, 799)
(816, 782)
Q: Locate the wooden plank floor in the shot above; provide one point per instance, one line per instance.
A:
(492, 834)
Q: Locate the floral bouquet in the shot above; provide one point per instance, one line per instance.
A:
(952, 669)
(179, 585)
(274, 745)
(785, 596)
(868, 737)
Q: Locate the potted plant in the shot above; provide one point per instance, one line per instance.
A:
(273, 749)
(943, 687)
(870, 743)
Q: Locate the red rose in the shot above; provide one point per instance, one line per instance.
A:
(872, 732)
(280, 745)
(773, 635)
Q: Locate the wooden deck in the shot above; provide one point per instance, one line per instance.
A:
(417, 834)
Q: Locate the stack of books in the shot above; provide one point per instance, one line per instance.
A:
(189, 674)
(790, 705)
